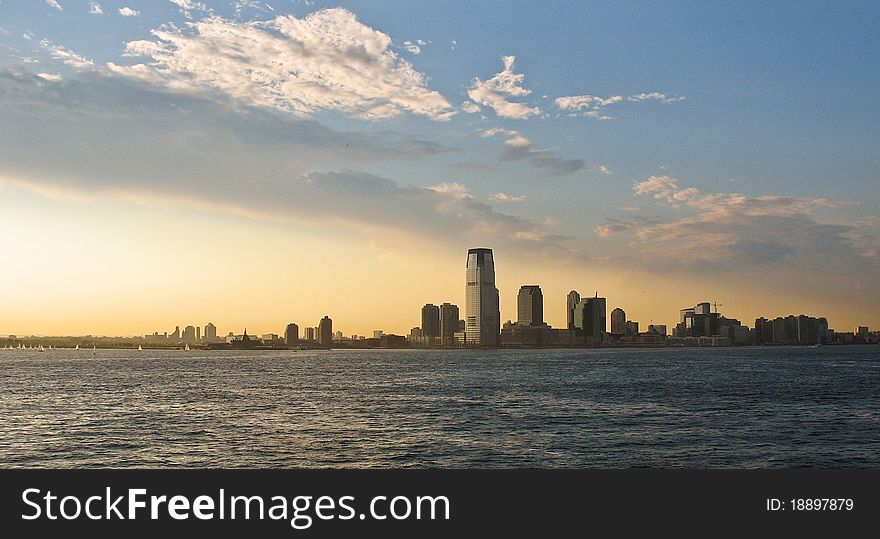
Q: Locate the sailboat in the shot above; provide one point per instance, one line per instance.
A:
(41, 348)
(141, 348)
(77, 347)
(186, 347)
(94, 350)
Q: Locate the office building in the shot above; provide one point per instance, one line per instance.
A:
(449, 319)
(291, 334)
(590, 320)
(530, 306)
(571, 302)
(210, 332)
(325, 331)
(618, 321)
(482, 310)
(430, 323)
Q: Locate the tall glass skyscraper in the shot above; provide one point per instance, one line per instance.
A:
(482, 311)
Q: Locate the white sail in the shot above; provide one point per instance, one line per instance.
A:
(186, 347)
(140, 347)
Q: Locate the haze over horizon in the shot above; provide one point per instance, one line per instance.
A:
(257, 163)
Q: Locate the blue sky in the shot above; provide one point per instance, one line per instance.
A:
(727, 141)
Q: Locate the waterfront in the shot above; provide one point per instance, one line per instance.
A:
(674, 407)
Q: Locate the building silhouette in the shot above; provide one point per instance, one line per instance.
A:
(325, 331)
(618, 322)
(430, 323)
(449, 319)
(590, 321)
(189, 334)
(309, 334)
(482, 310)
(291, 334)
(530, 306)
(210, 332)
(571, 302)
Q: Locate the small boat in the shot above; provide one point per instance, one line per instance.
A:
(94, 350)
(186, 347)
(77, 347)
(141, 348)
(41, 348)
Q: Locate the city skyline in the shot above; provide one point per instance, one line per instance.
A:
(158, 166)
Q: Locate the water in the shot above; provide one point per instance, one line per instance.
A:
(693, 408)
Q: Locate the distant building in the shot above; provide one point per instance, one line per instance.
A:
(482, 309)
(338, 336)
(325, 331)
(291, 334)
(449, 319)
(189, 334)
(590, 321)
(631, 328)
(175, 337)
(530, 306)
(377, 333)
(571, 302)
(210, 333)
(618, 321)
(657, 329)
(309, 334)
(430, 323)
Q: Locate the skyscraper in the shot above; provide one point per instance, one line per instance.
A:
(618, 321)
(482, 310)
(449, 314)
(325, 331)
(210, 332)
(530, 306)
(291, 334)
(430, 323)
(570, 304)
(589, 319)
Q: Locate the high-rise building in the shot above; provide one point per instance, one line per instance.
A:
(325, 331)
(309, 334)
(210, 332)
(590, 319)
(618, 321)
(291, 334)
(530, 306)
(482, 309)
(449, 314)
(189, 334)
(570, 304)
(430, 323)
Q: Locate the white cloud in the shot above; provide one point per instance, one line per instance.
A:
(592, 106)
(656, 96)
(504, 197)
(604, 169)
(454, 190)
(95, 8)
(453, 45)
(51, 77)
(128, 12)
(65, 55)
(55, 4)
(327, 60)
(188, 6)
(414, 47)
(470, 107)
(494, 93)
(731, 231)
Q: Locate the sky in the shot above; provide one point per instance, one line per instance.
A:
(251, 164)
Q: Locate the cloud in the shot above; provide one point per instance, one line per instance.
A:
(656, 96)
(326, 61)
(504, 197)
(470, 107)
(605, 170)
(128, 12)
(67, 56)
(517, 147)
(414, 47)
(592, 106)
(188, 6)
(122, 141)
(494, 93)
(55, 4)
(95, 8)
(731, 232)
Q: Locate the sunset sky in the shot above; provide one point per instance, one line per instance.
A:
(174, 162)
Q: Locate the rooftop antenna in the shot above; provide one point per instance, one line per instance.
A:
(716, 305)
